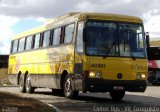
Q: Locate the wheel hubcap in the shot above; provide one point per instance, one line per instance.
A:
(68, 85)
(27, 83)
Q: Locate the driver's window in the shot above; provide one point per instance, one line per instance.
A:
(79, 45)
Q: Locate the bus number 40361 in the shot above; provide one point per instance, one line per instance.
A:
(98, 65)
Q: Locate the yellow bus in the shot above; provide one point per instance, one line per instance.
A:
(88, 52)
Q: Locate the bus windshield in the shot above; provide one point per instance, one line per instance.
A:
(115, 39)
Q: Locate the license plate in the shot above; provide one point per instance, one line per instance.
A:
(118, 88)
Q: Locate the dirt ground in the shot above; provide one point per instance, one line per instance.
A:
(3, 76)
(14, 103)
(3, 73)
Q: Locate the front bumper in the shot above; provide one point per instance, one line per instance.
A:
(101, 85)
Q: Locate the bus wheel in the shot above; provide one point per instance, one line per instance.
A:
(68, 91)
(117, 95)
(29, 88)
(21, 84)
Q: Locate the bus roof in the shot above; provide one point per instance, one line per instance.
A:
(78, 16)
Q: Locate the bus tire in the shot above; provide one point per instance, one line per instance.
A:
(117, 95)
(68, 90)
(22, 84)
(29, 88)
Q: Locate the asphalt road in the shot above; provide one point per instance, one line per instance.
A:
(149, 101)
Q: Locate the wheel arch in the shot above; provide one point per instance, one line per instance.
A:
(19, 74)
(25, 75)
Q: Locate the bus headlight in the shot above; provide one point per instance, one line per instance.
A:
(141, 76)
(92, 74)
(95, 74)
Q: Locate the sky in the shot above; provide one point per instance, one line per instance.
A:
(19, 15)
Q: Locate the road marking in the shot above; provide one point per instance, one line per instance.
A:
(57, 109)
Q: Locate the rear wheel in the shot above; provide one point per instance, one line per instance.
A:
(21, 84)
(29, 88)
(68, 90)
(117, 95)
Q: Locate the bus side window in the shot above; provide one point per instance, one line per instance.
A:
(36, 41)
(79, 45)
(69, 31)
(11, 48)
(46, 39)
(56, 37)
(15, 46)
(28, 42)
(21, 44)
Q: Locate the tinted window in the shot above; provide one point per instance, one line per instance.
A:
(101, 38)
(69, 30)
(131, 41)
(21, 44)
(46, 39)
(105, 38)
(56, 37)
(29, 43)
(36, 41)
(15, 45)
